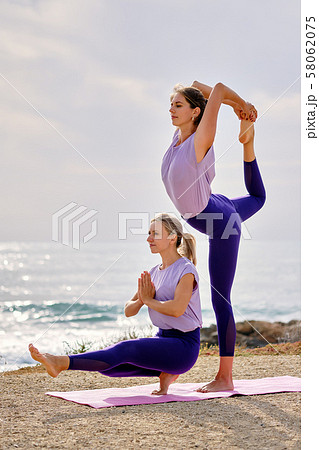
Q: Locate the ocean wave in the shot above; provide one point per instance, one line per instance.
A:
(58, 311)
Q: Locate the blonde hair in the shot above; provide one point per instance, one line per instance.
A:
(185, 242)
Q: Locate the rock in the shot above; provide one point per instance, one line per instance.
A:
(209, 335)
(244, 328)
(257, 333)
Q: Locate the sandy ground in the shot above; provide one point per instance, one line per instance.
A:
(30, 419)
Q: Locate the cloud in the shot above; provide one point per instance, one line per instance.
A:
(283, 107)
(101, 72)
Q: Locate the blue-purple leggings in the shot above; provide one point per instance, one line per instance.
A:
(170, 351)
(221, 221)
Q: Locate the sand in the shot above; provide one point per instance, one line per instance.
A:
(30, 419)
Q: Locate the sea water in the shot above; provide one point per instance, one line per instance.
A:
(55, 296)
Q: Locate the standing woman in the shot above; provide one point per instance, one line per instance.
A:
(170, 290)
(187, 172)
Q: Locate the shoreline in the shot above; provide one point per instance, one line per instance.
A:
(250, 335)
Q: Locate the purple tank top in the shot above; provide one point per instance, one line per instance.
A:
(165, 282)
(187, 182)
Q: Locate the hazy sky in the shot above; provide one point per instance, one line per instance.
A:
(85, 90)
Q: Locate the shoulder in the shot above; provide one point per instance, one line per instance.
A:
(185, 261)
(186, 266)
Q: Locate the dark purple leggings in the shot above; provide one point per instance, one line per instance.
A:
(170, 351)
(221, 221)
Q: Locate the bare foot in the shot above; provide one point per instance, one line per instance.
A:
(53, 364)
(247, 131)
(217, 385)
(166, 379)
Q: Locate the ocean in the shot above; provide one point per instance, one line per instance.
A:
(55, 296)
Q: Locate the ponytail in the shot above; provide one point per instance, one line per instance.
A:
(188, 247)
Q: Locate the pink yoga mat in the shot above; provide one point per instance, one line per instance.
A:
(178, 392)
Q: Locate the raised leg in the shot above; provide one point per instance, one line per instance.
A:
(53, 364)
(150, 355)
(171, 352)
(248, 205)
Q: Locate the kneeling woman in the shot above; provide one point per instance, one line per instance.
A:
(171, 292)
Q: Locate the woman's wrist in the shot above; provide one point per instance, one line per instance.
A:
(238, 100)
(147, 301)
(132, 307)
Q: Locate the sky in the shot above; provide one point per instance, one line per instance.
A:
(85, 87)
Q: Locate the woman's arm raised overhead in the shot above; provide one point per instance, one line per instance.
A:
(206, 130)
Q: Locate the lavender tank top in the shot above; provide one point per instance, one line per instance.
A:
(187, 182)
(165, 282)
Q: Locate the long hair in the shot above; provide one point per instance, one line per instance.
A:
(194, 97)
(185, 242)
